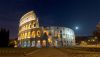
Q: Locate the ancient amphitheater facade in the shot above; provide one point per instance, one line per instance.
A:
(32, 35)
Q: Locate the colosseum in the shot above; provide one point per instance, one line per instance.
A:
(32, 35)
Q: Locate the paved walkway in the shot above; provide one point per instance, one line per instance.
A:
(48, 52)
(56, 52)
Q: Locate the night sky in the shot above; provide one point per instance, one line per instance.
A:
(69, 13)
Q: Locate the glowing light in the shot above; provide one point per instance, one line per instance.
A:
(28, 35)
(38, 33)
(28, 44)
(47, 32)
(55, 34)
(38, 41)
(25, 35)
(38, 44)
(59, 34)
(76, 28)
(44, 43)
(33, 44)
(49, 40)
(33, 34)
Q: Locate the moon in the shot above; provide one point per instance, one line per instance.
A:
(76, 27)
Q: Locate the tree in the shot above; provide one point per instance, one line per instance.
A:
(4, 37)
(96, 33)
(45, 37)
(98, 26)
(13, 43)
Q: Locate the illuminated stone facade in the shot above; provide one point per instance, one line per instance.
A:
(32, 35)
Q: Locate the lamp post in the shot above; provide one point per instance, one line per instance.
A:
(76, 28)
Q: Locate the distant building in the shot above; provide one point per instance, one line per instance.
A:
(79, 39)
(90, 40)
(32, 35)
